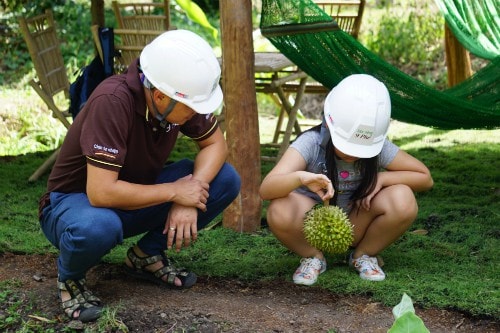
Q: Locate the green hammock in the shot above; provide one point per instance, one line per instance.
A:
(312, 40)
(475, 24)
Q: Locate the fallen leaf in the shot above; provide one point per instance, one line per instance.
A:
(39, 318)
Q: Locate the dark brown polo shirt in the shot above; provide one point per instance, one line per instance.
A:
(112, 132)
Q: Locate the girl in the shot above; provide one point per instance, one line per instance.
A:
(348, 161)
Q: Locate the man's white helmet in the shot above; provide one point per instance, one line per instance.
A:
(357, 113)
(183, 66)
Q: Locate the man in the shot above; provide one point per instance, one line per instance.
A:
(110, 180)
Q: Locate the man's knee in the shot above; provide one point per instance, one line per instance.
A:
(103, 227)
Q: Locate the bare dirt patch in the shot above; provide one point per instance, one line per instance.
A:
(214, 305)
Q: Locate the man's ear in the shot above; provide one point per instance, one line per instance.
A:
(159, 96)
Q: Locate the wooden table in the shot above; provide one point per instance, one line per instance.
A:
(280, 78)
(277, 76)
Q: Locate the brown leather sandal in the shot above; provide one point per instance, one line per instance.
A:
(81, 300)
(188, 279)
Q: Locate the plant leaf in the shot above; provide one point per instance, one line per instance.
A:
(406, 305)
(196, 14)
(408, 323)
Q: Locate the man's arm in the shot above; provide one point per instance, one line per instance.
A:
(104, 189)
(180, 227)
(212, 155)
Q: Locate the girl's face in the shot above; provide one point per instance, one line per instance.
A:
(344, 157)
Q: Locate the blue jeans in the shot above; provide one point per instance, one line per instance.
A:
(84, 234)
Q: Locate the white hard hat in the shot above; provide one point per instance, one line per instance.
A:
(357, 112)
(183, 66)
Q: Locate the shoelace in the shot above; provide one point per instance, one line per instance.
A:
(367, 263)
(310, 263)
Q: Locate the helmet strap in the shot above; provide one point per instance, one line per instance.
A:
(168, 110)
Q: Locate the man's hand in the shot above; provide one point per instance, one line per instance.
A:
(181, 227)
(191, 192)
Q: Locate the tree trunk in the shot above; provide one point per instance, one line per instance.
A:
(457, 59)
(241, 117)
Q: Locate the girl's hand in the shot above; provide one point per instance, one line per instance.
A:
(319, 184)
(366, 201)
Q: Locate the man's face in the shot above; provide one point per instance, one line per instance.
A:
(180, 114)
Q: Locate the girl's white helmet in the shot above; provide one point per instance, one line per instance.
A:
(183, 66)
(357, 113)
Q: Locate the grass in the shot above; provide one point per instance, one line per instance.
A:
(25, 124)
(454, 266)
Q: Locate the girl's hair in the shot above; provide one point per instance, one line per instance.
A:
(368, 168)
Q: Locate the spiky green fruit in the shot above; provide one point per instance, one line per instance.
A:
(328, 229)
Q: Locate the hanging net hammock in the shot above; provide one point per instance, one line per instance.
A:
(475, 24)
(312, 40)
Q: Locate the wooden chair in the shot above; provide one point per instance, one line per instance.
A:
(143, 16)
(128, 44)
(40, 35)
(347, 13)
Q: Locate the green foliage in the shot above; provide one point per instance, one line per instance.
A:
(408, 322)
(11, 318)
(236, 255)
(405, 318)
(109, 321)
(453, 266)
(20, 133)
(73, 22)
(13, 306)
(76, 43)
(410, 37)
(18, 219)
(196, 14)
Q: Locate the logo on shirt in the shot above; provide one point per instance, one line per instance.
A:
(344, 174)
(107, 152)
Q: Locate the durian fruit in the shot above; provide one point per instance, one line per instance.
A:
(328, 229)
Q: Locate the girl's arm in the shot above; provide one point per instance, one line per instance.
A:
(289, 174)
(406, 169)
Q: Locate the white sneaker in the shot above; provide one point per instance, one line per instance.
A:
(308, 271)
(368, 268)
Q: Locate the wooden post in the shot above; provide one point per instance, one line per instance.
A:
(457, 59)
(97, 17)
(97, 12)
(241, 117)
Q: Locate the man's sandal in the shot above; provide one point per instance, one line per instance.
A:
(188, 279)
(81, 300)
